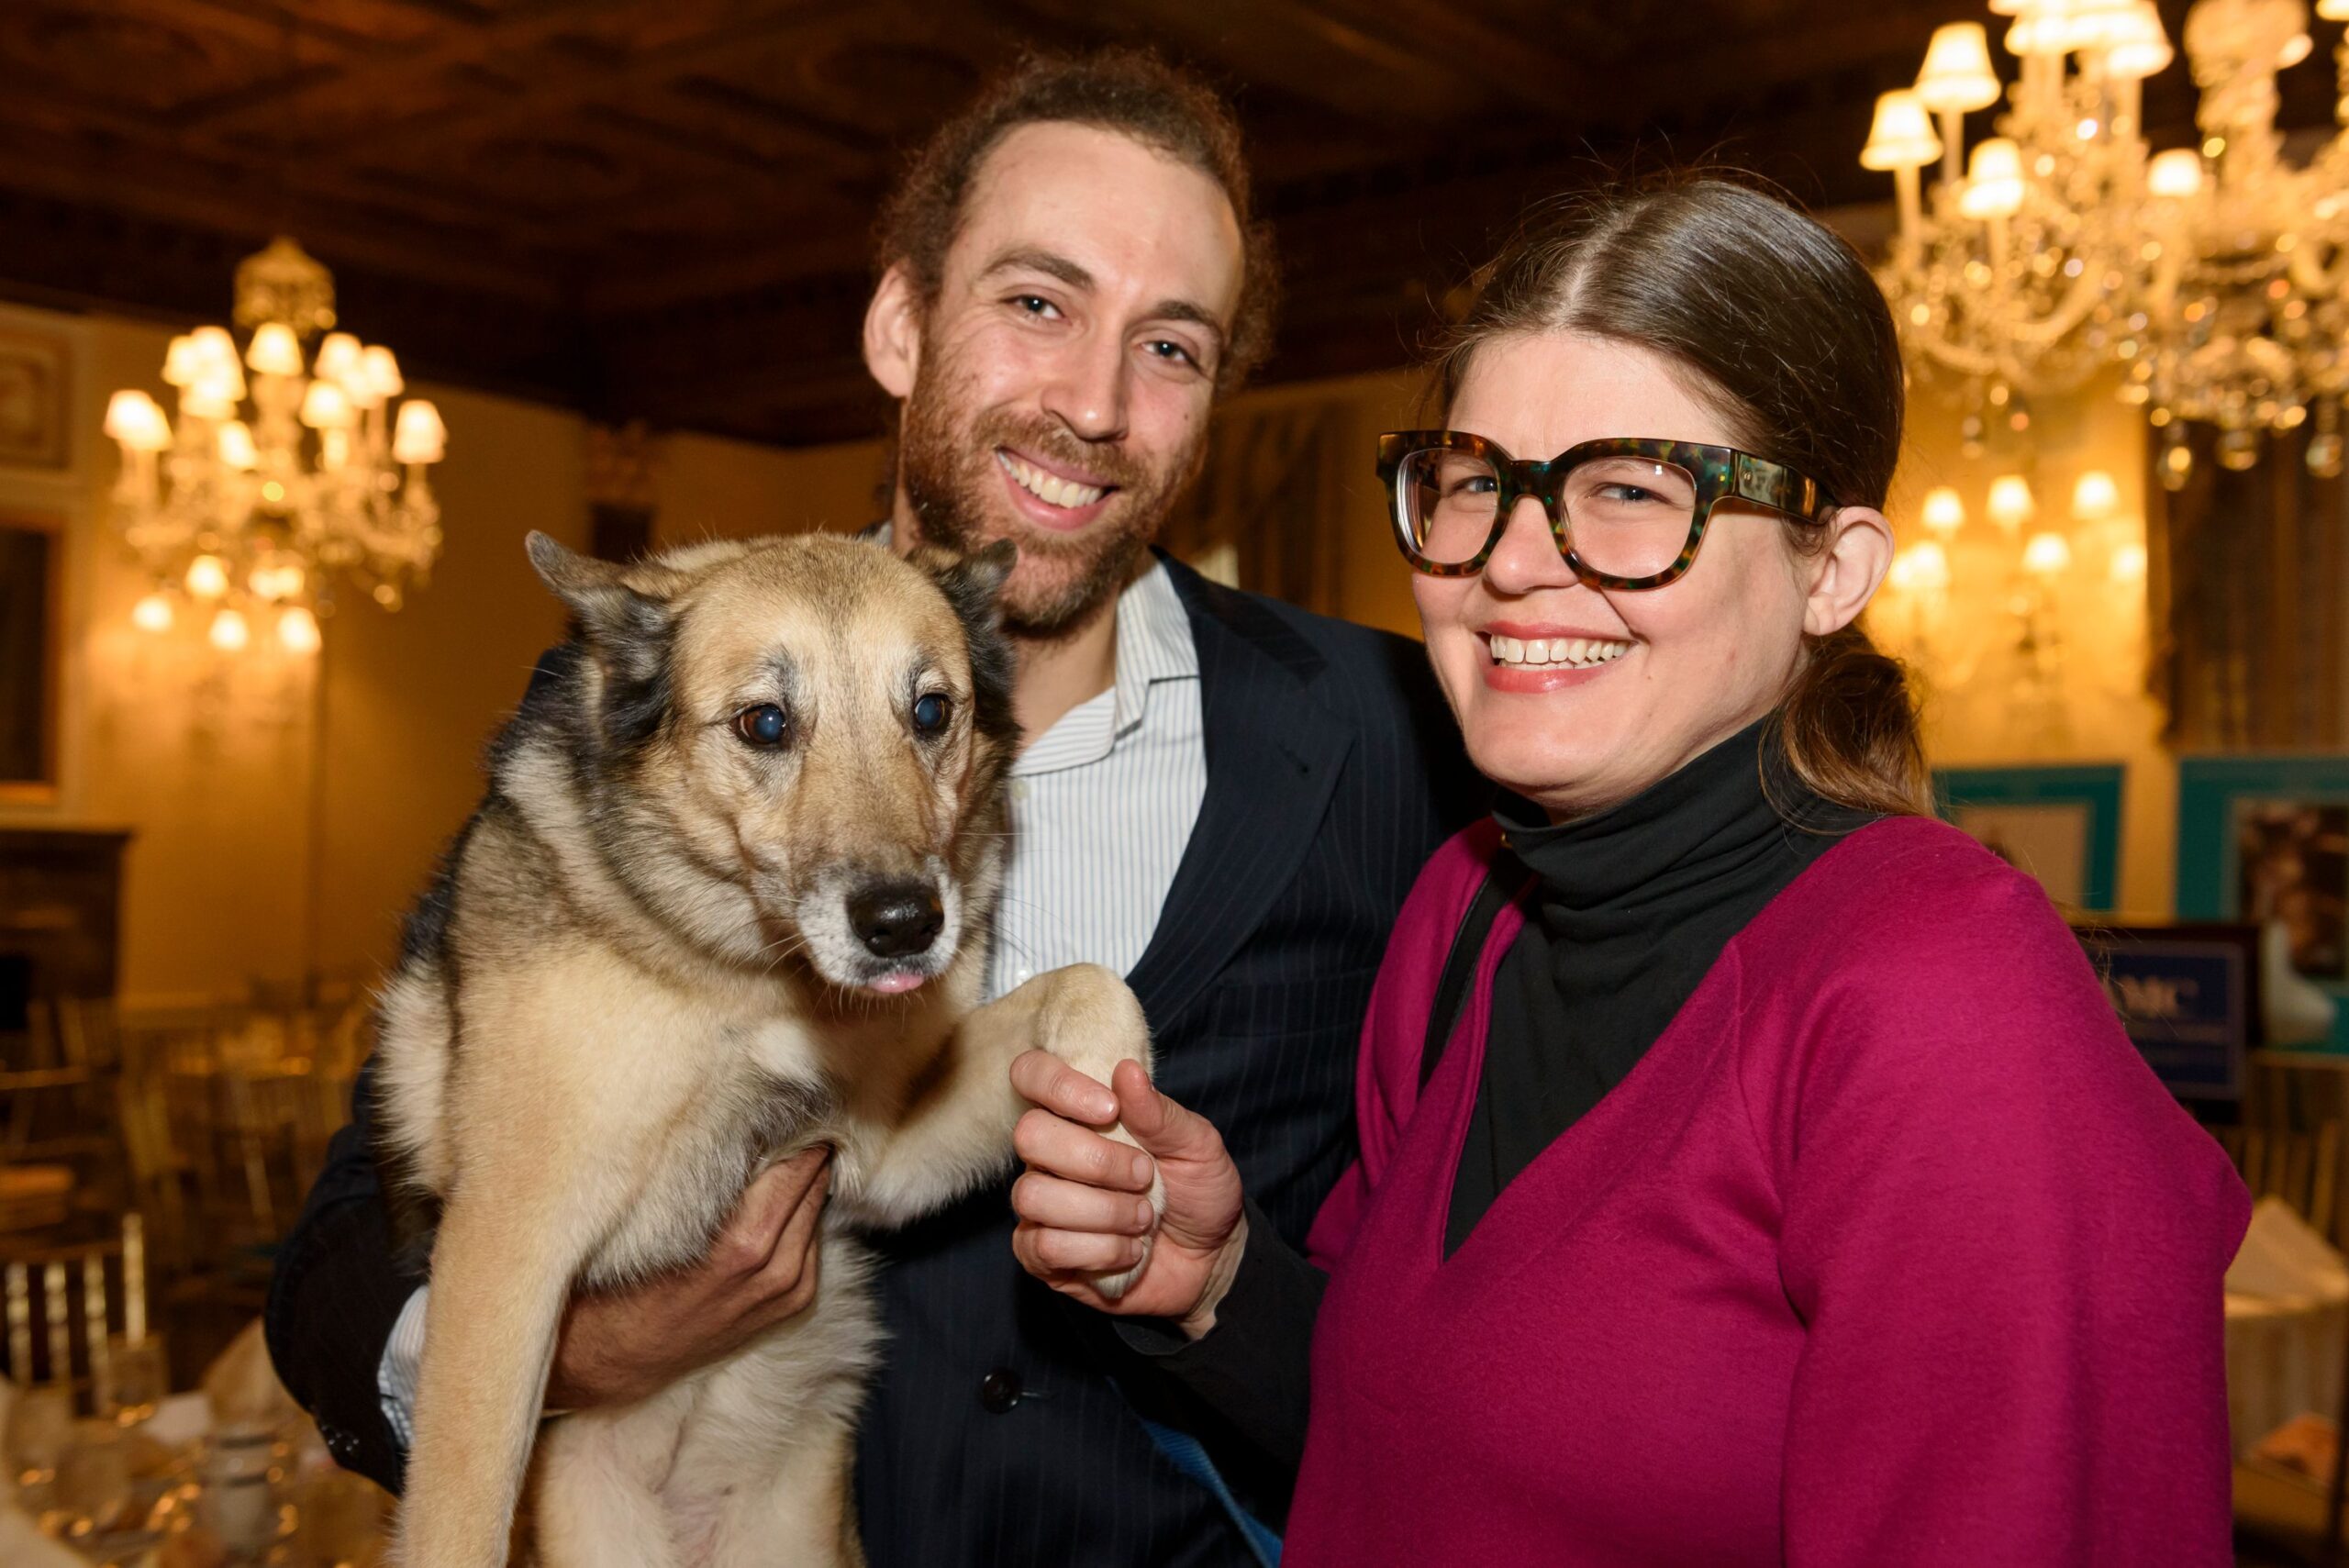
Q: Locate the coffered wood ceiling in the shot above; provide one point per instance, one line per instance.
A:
(659, 209)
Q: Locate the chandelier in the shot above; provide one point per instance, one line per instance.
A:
(272, 480)
(2216, 276)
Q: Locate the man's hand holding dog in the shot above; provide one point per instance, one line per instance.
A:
(1081, 1205)
(621, 1346)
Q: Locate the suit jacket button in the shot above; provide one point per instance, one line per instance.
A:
(999, 1391)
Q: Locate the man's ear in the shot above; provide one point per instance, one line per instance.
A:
(1845, 574)
(893, 332)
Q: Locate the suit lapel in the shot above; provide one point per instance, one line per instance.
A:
(1274, 752)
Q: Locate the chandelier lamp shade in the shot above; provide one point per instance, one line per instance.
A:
(2215, 277)
(272, 481)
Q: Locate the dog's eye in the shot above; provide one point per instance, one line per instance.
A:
(931, 710)
(765, 726)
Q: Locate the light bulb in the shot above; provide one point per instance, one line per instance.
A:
(152, 613)
(229, 633)
(208, 577)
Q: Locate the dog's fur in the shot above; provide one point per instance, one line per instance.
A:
(639, 981)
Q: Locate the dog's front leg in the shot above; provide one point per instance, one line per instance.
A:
(959, 1132)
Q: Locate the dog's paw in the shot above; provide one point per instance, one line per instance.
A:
(1113, 1286)
(1091, 1020)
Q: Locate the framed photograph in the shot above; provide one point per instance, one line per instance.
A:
(2189, 995)
(2267, 838)
(2060, 824)
(33, 373)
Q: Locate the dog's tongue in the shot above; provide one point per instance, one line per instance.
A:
(896, 984)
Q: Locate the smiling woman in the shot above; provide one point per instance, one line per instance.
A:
(1730, 1132)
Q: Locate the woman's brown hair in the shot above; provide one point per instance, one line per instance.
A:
(1794, 346)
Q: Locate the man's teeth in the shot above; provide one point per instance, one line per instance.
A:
(1050, 487)
(1568, 652)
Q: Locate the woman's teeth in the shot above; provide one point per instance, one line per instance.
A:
(1568, 652)
(1049, 487)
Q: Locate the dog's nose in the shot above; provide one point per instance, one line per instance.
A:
(896, 919)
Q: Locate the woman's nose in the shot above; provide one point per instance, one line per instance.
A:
(1527, 558)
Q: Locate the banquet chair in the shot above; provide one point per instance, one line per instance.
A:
(76, 1318)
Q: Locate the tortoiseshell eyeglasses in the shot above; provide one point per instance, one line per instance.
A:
(1627, 513)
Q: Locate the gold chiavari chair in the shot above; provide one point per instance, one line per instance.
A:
(76, 1319)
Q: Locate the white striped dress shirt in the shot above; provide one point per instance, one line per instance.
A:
(1102, 807)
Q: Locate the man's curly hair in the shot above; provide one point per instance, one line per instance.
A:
(1130, 92)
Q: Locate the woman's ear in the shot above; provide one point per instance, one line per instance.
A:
(1845, 573)
(893, 332)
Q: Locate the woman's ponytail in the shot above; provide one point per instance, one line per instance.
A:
(1849, 729)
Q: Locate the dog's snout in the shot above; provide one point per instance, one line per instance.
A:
(896, 919)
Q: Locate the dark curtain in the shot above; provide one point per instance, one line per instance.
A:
(1271, 490)
(2244, 580)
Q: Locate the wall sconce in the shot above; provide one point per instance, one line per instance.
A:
(1944, 513)
(2094, 497)
(2047, 556)
(2010, 505)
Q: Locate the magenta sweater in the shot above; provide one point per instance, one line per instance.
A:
(1890, 1250)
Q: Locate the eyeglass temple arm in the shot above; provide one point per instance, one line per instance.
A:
(1778, 486)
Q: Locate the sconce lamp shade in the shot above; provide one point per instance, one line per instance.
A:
(2047, 555)
(1902, 136)
(275, 350)
(137, 421)
(2177, 174)
(419, 436)
(2140, 47)
(337, 359)
(1993, 179)
(2010, 505)
(2094, 497)
(1944, 511)
(1957, 75)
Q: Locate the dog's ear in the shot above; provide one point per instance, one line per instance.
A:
(622, 613)
(972, 584)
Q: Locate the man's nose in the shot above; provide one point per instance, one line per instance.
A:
(1088, 391)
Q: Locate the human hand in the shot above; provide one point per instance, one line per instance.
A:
(1082, 1207)
(619, 1346)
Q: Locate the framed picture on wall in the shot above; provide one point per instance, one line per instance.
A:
(2061, 824)
(2266, 839)
(33, 374)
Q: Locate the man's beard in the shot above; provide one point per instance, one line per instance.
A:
(946, 461)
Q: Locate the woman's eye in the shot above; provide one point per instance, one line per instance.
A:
(765, 726)
(931, 710)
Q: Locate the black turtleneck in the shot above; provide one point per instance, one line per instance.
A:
(1627, 910)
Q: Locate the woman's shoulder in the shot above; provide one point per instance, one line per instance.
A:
(1901, 881)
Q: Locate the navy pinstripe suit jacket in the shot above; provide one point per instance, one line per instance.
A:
(1001, 1429)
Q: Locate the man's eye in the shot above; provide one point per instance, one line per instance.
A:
(1165, 348)
(1035, 305)
(766, 726)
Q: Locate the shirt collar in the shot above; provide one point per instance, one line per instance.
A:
(1153, 643)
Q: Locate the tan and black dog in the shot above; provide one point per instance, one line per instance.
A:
(729, 897)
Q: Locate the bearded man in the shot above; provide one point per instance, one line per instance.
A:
(1220, 798)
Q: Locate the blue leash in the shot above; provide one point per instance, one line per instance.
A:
(1189, 1457)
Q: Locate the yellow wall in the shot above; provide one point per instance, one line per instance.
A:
(1986, 703)
(209, 758)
